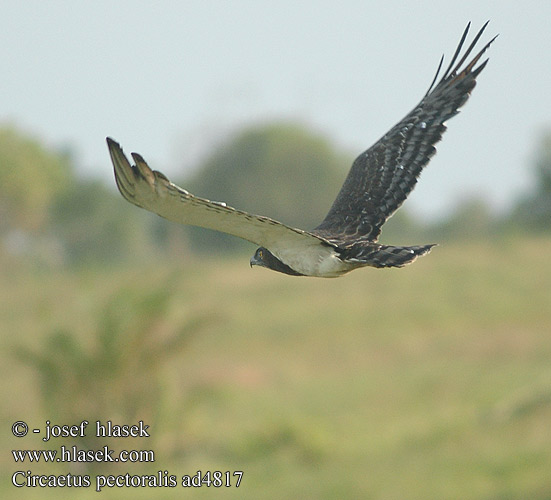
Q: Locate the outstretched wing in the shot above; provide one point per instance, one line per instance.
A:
(153, 191)
(382, 177)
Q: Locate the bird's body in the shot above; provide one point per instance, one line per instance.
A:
(378, 182)
(321, 261)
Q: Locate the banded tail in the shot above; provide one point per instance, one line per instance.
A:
(376, 255)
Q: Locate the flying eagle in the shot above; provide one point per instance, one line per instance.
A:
(378, 183)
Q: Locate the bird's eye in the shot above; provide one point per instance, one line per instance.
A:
(261, 254)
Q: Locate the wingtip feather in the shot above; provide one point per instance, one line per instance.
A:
(143, 168)
(122, 169)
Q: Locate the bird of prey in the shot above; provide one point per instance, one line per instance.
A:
(377, 184)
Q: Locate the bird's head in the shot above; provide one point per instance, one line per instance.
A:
(264, 258)
(258, 258)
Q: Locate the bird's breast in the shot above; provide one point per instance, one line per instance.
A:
(319, 260)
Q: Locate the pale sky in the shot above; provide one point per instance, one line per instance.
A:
(169, 78)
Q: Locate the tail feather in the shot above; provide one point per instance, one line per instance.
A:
(376, 255)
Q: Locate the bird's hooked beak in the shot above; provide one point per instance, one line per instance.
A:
(255, 262)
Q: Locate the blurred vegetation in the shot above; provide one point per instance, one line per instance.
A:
(115, 371)
(431, 381)
(533, 211)
(427, 382)
(472, 219)
(94, 227)
(31, 178)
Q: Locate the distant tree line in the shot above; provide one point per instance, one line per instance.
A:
(533, 210)
(284, 170)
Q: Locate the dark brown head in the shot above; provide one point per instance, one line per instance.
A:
(264, 258)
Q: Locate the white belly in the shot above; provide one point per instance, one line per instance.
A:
(317, 260)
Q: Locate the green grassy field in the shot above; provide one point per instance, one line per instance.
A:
(433, 381)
